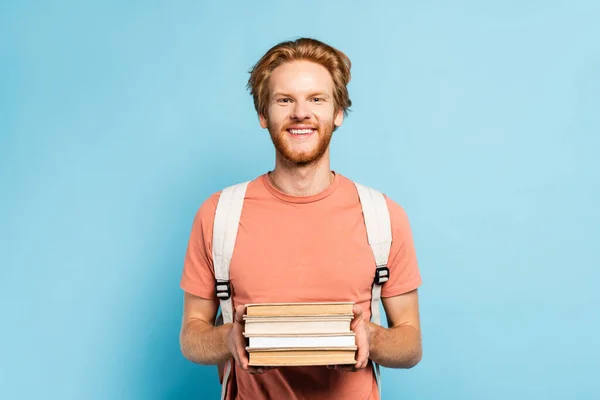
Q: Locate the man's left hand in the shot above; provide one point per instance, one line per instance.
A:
(362, 338)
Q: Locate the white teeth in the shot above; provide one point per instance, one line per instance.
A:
(300, 131)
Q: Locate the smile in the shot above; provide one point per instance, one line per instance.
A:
(300, 131)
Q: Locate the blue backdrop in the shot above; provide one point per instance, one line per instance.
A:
(117, 119)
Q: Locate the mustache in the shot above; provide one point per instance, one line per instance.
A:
(286, 127)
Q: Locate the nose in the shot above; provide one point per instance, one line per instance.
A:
(301, 111)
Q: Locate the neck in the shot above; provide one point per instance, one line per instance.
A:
(305, 180)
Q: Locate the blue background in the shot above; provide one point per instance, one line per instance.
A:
(117, 119)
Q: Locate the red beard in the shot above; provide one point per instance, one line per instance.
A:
(324, 134)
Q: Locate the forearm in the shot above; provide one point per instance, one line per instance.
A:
(397, 347)
(203, 343)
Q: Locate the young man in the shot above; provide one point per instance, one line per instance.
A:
(302, 238)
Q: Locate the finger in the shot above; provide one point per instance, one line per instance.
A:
(361, 361)
(233, 346)
(358, 317)
(239, 313)
(345, 368)
(240, 341)
(240, 347)
(256, 370)
(241, 352)
(236, 358)
(243, 359)
(362, 355)
(260, 370)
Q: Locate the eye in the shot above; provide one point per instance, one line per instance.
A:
(318, 99)
(284, 100)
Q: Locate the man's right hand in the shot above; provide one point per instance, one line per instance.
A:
(236, 342)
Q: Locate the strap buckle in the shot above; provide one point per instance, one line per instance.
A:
(223, 289)
(382, 275)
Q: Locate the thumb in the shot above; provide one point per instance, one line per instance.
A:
(358, 316)
(239, 314)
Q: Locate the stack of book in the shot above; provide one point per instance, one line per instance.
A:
(297, 334)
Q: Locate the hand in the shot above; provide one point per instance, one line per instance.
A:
(236, 343)
(359, 327)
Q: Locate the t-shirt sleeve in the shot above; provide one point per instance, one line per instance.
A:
(402, 262)
(198, 277)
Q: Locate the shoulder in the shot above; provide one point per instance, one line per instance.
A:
(202, 225)
(207, 209)
(397, 213)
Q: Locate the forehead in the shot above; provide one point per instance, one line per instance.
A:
(301, 77)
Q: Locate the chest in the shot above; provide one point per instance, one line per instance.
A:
(299, 254)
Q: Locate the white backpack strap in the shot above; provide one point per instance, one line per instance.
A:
(379, 233)
(225, 228)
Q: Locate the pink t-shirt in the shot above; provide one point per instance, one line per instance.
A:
(301, 249)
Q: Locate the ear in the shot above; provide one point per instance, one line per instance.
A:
(339, 118)
(263, 121)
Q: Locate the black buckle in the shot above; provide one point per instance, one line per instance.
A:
(223, 289)
(382, 274)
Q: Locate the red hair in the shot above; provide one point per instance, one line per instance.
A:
(336, 62)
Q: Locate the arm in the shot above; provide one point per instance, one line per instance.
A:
(200, 341)
(398, 346)
(203, 343)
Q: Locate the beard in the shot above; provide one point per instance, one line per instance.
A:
(301, 158)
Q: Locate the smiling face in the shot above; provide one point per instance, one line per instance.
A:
(301, 113)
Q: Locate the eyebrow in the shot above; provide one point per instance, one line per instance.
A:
(320, 94)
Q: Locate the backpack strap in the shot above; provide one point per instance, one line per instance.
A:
(379, 233)
(225, 228)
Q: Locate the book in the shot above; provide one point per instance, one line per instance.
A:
(297, 325)
(299, 309)
(301, 341)
(304, 357)
(294, 334)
